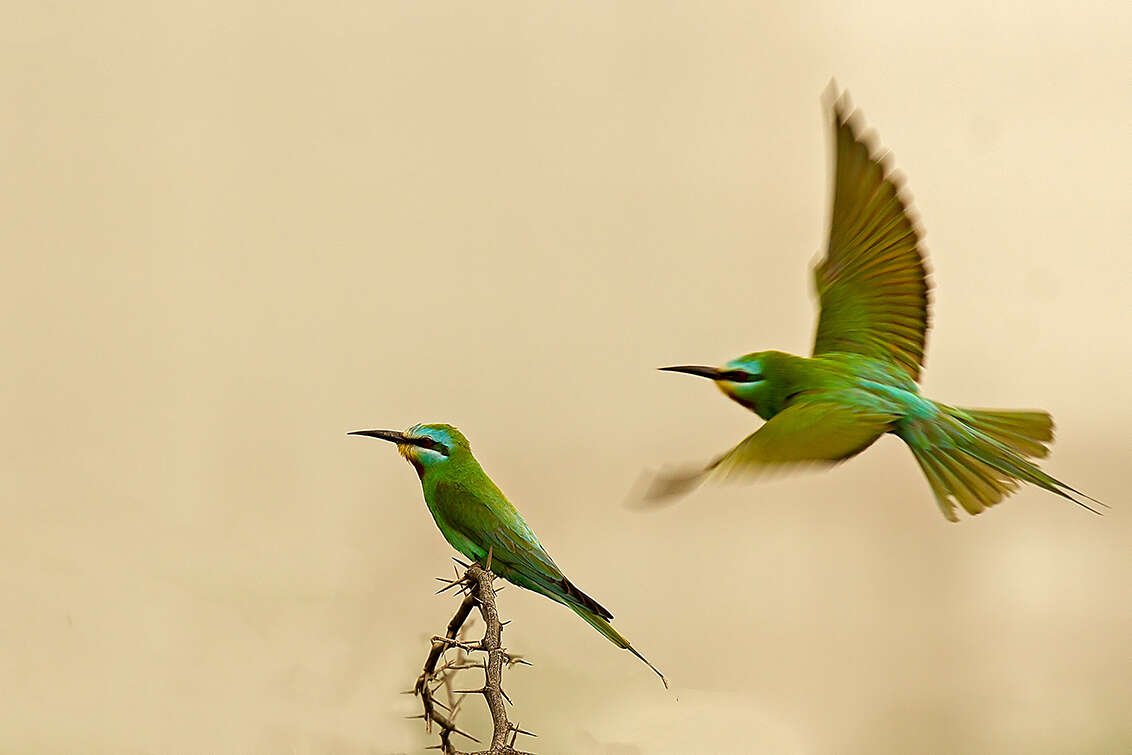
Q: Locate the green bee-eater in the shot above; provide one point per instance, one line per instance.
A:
(861, 380)
(477, 519)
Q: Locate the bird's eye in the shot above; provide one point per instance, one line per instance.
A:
(741, 376)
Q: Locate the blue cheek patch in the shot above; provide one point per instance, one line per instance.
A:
(430, 458)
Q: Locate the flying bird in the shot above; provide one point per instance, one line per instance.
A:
(477, 520)
(861, 382)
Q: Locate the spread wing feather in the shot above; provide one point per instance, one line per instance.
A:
(872, 284)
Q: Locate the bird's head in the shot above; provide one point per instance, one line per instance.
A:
(425, 446)
(743, 379)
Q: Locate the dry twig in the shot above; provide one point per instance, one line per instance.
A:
(476, 584)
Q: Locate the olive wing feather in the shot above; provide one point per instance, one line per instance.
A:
(495, 525)
(872, 285)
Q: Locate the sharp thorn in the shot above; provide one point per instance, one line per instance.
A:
(464, 734)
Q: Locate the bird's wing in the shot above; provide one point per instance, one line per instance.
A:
(872, 284)
(814, 429)
(495, 525)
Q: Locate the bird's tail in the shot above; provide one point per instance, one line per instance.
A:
(977, 457)
(603, 626)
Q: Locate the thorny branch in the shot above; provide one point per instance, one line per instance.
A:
(476, 584)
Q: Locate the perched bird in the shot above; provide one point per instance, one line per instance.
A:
(861, 380)
(477, 519)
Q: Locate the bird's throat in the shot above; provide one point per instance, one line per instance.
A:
(417, 466)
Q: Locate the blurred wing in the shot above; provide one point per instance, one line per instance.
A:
(496, 525)
(814, 430)
(872, 284)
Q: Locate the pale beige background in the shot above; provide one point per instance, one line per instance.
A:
(234, 231)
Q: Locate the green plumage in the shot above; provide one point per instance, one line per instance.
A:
(860, 383)
(477, 520)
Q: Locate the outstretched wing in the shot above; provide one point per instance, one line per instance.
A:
(872, 284)
(495, 526)
(818, 429)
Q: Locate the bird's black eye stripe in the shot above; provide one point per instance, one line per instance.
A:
(431, 445)
(740, 376)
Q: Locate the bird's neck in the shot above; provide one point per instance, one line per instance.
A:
(457, 472)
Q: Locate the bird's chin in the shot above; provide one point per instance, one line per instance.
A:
(727, 388)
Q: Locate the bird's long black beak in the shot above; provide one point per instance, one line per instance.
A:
(390, 435)
(711, 373)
